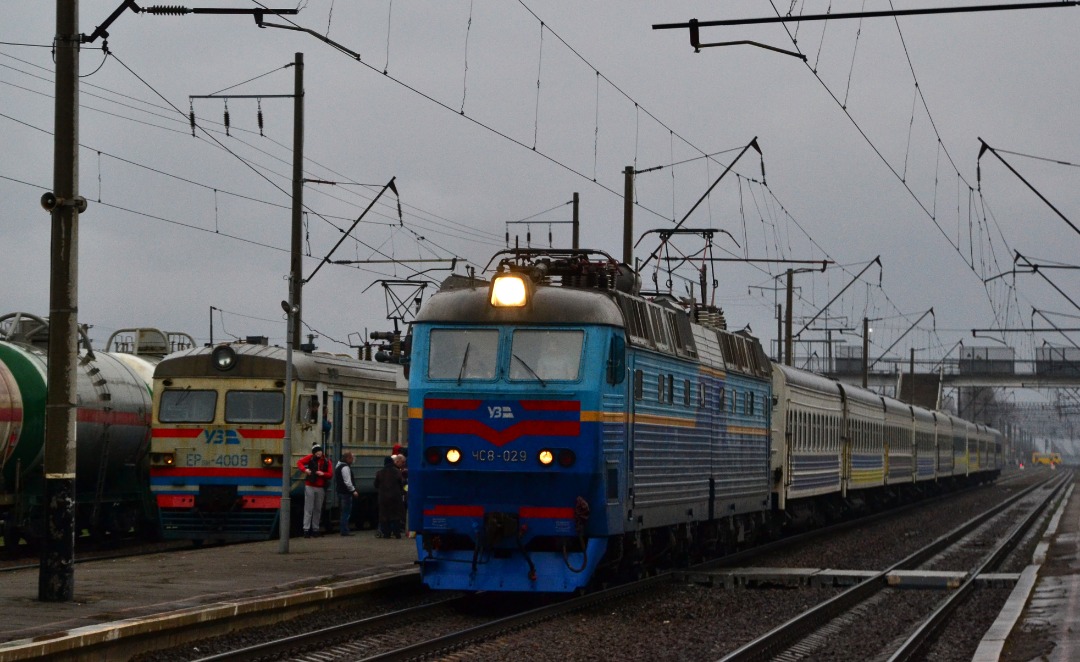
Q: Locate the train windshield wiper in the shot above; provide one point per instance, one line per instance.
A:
(464, 362)
(531, 371)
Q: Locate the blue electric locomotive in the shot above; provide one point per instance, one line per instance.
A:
(563, 426)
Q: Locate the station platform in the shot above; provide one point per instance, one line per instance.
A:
(156, 592)
(1039, 620)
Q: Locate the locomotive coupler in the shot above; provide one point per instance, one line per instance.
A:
(498, 526)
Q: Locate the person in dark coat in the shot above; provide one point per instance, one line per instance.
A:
(391, 490)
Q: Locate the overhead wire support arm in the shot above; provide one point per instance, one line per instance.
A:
(852, 282)
(326, 40)
(753, 143)
(985, 147)
(867, 14)
(102, 30)
(694, 25)
(1035, 270)
(389, 185)
(902, 336)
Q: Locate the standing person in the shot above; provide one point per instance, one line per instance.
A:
(402, 467)
(316, 470)
(391, 490)
(345, 490)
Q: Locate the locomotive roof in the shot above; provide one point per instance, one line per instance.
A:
(548, 305)
(268, 362)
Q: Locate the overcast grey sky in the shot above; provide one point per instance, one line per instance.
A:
(484, 117)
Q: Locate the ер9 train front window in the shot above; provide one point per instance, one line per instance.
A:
(254, 407)
(187, 406)
(545, 354)
(463, 354)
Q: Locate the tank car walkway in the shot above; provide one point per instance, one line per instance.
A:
(127, 597)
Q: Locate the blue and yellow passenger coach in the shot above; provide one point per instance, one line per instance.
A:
(562, 426)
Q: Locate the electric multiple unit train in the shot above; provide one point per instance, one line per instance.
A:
(219, 421)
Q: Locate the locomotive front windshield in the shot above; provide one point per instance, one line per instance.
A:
(463, 354)
(546, 355)
(187, 406)
(254, 407)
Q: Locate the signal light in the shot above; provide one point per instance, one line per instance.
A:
(433, 455)
(566, 457)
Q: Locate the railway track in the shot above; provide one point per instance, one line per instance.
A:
(973, 549)
(456, 630)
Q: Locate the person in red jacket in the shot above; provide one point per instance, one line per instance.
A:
(317, 474)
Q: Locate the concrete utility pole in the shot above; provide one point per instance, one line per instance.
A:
(576, 226)
(789, 358)
(292, 309)
(628, 216)
(56, 577)
(296, 275)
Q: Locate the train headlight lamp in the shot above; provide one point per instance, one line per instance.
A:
(453, 455)
(509, 291)
(223, 357)
(270, 460)
(546, 457)
(162, 459)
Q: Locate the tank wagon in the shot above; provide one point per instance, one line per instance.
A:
(219, 422)
(564, 428)
(112, 428)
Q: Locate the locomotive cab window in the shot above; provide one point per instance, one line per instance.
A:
(187, 406)
(546, 355)
(254, 407)
(463, 354)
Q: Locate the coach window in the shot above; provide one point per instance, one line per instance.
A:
(639, 384)
(670, 390)
(686, 393)
(395, 423)
(723, 399)
(463, 354)
(187, 406)
(734, 399)
(659, 388)
(546, 355)
(254, 406)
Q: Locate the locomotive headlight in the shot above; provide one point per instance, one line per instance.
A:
(269, 460)
(546, 457)
(162, 459)
(509, 291)
(453, 455)
(223, 357)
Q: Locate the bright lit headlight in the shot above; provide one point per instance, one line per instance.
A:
(453, 455)
(509, 291)
(546, 457)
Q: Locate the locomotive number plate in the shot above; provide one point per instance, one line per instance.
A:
(499, 456)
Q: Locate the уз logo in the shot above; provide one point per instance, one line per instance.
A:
(501, 411)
